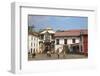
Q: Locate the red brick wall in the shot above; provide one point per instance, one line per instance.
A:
(85, 44)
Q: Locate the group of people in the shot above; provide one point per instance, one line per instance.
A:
(59, 52)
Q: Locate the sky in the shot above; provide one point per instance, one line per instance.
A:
(57, 22)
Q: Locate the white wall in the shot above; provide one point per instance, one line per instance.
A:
(69, 41)
(35, 43)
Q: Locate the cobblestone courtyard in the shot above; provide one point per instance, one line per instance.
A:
(54, 56)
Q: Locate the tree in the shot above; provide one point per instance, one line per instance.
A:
(31, 28)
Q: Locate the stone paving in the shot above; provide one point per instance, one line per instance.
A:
(55, 56)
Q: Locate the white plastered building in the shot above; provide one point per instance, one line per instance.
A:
(70, 37)
(33, 43)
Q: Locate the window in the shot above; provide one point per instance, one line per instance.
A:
(47, 37)
(73, 40)
(65, 41)
(31, 50)
(57, 41)
(52, 36)
(31, 43)
(34, 50)
(42, 36)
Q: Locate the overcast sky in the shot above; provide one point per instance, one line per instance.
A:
(57, 22)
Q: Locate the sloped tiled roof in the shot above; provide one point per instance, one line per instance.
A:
(71, 33)
(33, 33)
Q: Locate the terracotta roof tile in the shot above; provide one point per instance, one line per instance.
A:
(72, 32)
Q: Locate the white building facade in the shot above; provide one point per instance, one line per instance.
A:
(44, 36)
(33, 43)
(61, 41)
(49, 40)
(37, 42)
(70, 38)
